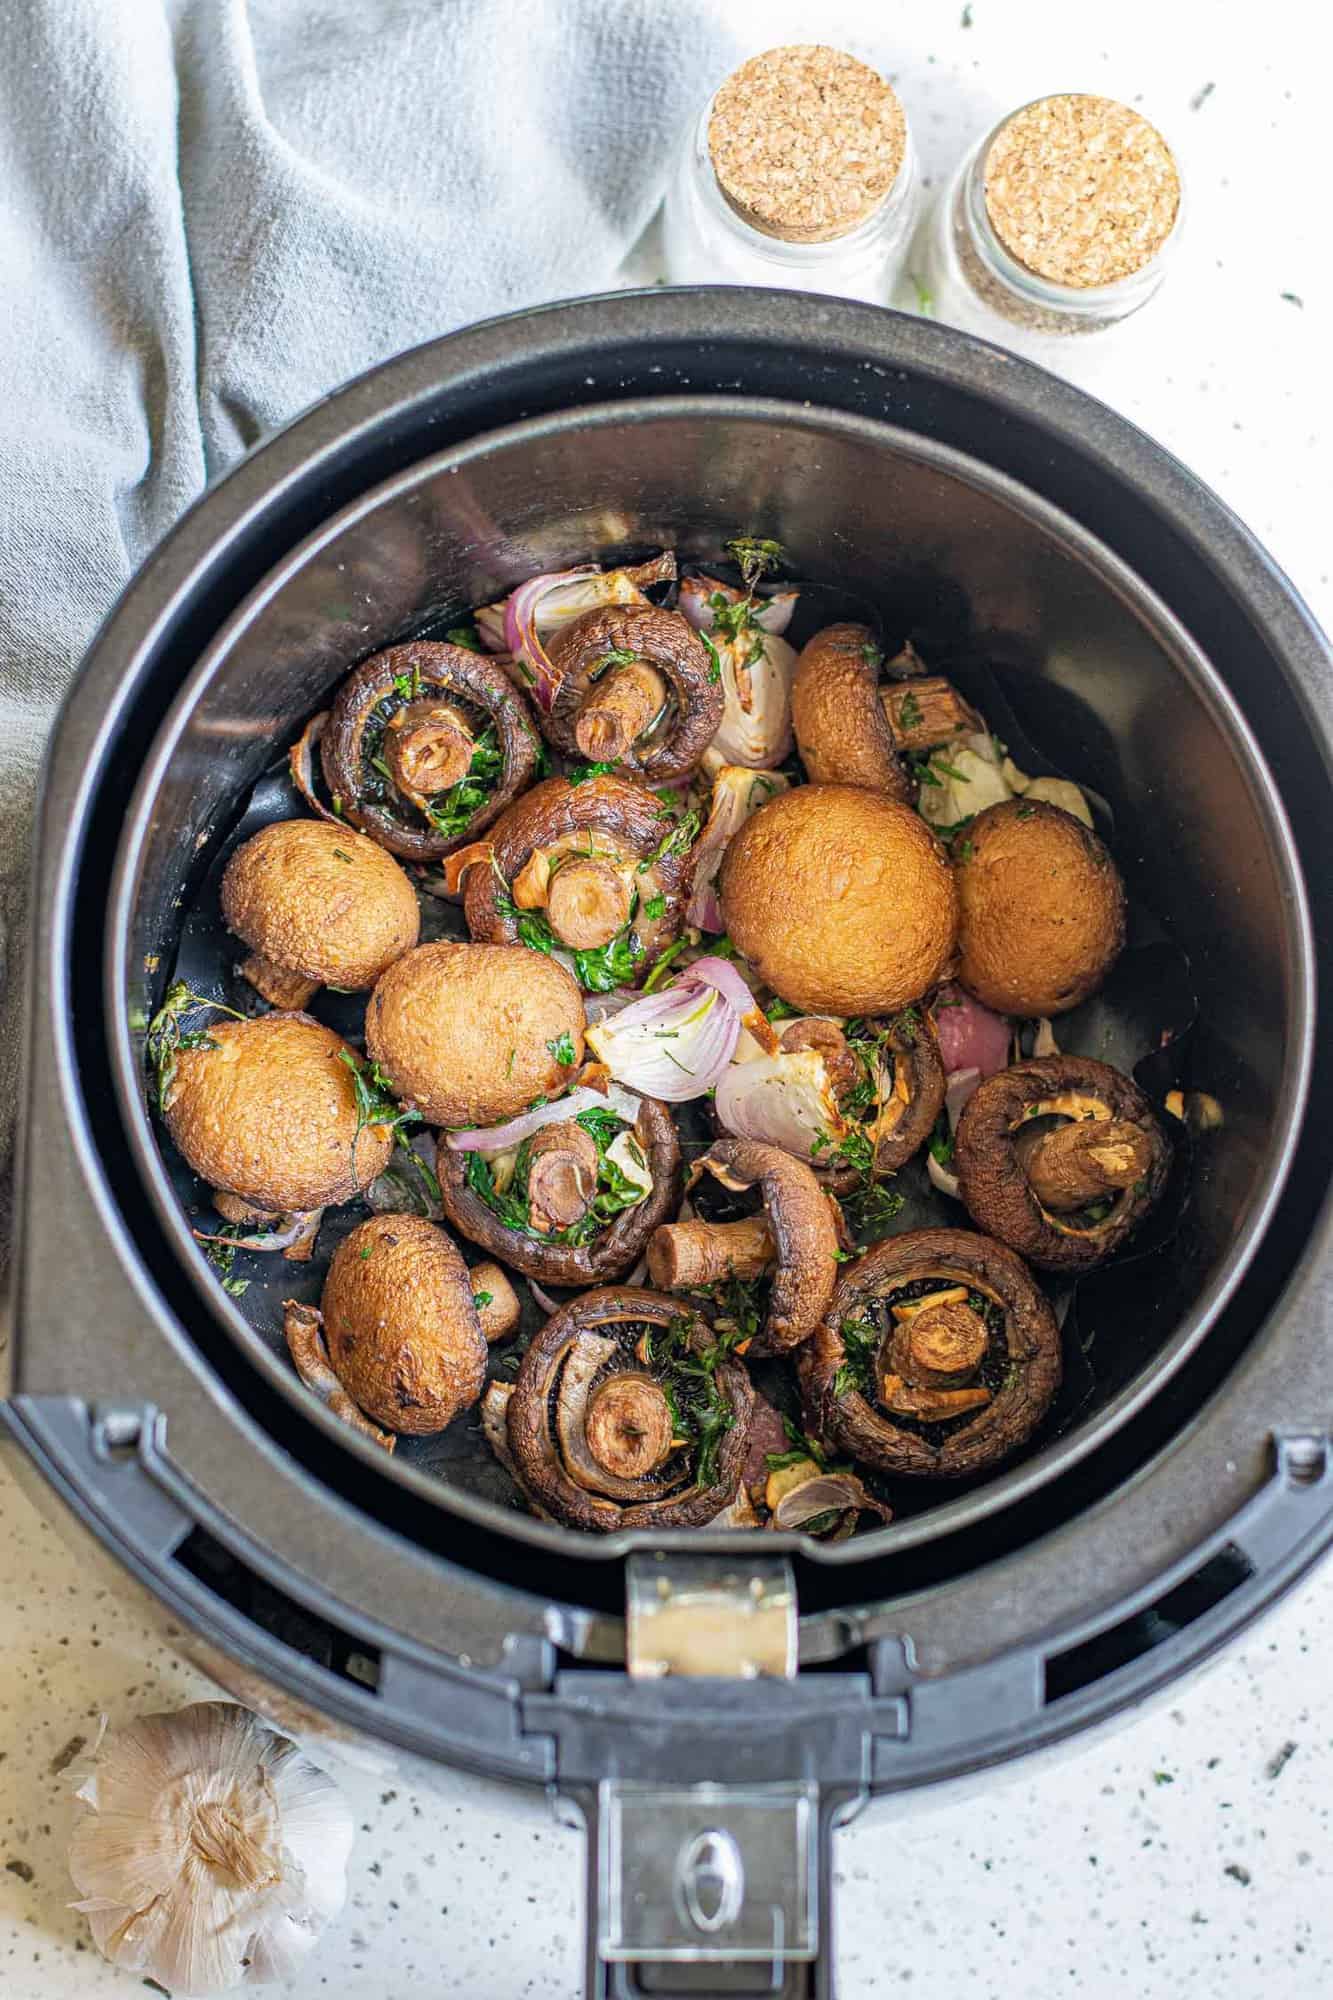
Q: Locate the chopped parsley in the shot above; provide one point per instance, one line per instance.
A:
(700, 1412)
(562, 1049)
(408, 686)
(909, 712)
(465, 636)
(598, 969)
(964, 850)
(654, 908)
(782, 1010)
(374, 1105)
(482, 1299)
(452, 812)
(579, 774)
(756, 557)
(679, 840)
(615, 1190)
(714, 658)
(860, 1338)
(872, 654)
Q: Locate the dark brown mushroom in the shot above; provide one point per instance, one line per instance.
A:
(402, 1325)
(794, 1239)
(626, 1415)
(937, 1358)
(1060, 1157)
(909, 1083)
(600, 866)
(425, 746)
(608, 1250)
(636, 689)
(562, 1176)
(843, 733)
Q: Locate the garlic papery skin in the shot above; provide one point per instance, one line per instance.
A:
(209, 1852)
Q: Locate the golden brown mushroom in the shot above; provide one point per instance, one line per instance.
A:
(1061, 1158)
(266, 1110)
(842, 730)
(793, 1241)
(1041, 909)
(626, 1414)
(470, 1034)
(841, 899)
(636, 689)
(600, 869)
(401, 1324)
(937, 1358)
(318, 905)
(424, 746)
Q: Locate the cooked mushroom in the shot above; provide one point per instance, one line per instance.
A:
(625, 1414)
(1060, 1157)
(1041, 908)
(402, 1326)
(843, 730)
(266, 1110)
(636, 688)
(600, 869)
(425, 745)
(937, 1357)
(318, 905)
(823, 1501)
(924, 713)
(841, 899)
(303, 1330)
(575, 1202)
(470, 1034)
(793, 1241)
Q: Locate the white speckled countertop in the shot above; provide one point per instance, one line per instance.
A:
(1188, 1852)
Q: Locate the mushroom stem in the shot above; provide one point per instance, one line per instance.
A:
(428, 746)
(617, 709)
(929, 1405)
(923, 713)
(1069, 1166)
(532, 881)
(587, 903)
(629, 1429)
(303, 1330)
(562, 1176)
(274, 983)
(940, 1346)
(683, 1256)
(500, 1314)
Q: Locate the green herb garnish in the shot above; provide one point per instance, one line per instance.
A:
(466, 636)
(452, 812)
(579, 774)
(680, 839)
(654, 908)
(909, 714)
(408, 685)
(374, 1105)
(756, 557)
(860, 1338)
(714, 658)
(782, 1010)
(167, 1034)
(482, 1299)
(562, 1049)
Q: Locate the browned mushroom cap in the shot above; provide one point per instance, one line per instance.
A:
(470, 1034)
(636, 690)
(1041, 908)
(923, 1330)
(841, 899)
(444, 723)
(842, 730)
(794, 1239)
(593, 1420)
(611, 1252)
(402, 1326)
(1060, 1157)
(318, 905)
(584, 856)
(266, 1110)
(303, 1330)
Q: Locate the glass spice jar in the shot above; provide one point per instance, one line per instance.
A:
(1060, 221)
(800, 173)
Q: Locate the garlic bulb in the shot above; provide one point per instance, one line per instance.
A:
(209, 1852)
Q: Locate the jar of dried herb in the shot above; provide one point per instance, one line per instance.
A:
(799, 173)
(1061, 221)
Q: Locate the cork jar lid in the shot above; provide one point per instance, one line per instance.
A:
(1080, 190)
(806, 142)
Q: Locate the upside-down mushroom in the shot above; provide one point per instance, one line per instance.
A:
(854, 1099)
(635, 688)
(841, 899)
(472, 1033)
(1041, 908)
(570, 1192)
(844, 731)
(1060, 1157)
(318, 905)
(792, 1240)
(405, 1323)
(599, 870)
(425, 745)
(266, 1112)
(937, 1327)
(626, 1414)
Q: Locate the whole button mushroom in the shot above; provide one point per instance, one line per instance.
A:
(625, 1414)
(405, 1324)
(266, 1112)
(1041, 908)
(792, 1241)
(937, 1358)
(470, 1034)
(636, 689)
(841, 899)
(318, 905)
(1060, 1157)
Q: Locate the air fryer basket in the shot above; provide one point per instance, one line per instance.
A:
(1143, 644)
